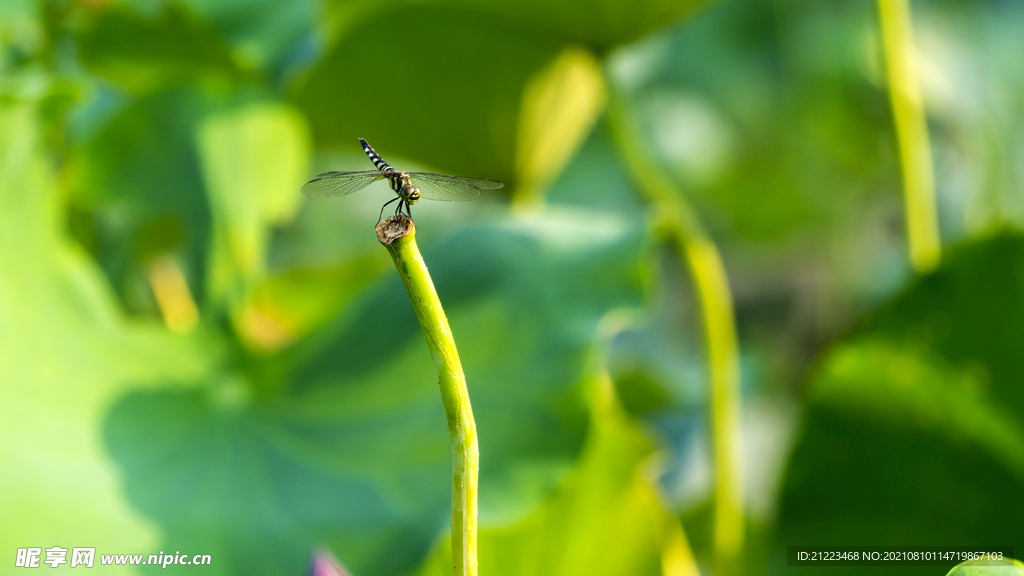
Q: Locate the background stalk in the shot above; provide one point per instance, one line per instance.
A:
(398, 235)
(911, 134)
(701, 257)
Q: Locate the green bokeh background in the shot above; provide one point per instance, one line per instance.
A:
(154, 147)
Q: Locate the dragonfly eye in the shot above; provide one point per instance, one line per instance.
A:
(411, 194)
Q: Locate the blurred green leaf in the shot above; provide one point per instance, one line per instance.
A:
(914, 435)
(775, 110)
(977, 568)
(20, 26)
(493, 68)
(970, 314)
(261, 32)
(353, 452)
(291, 304)
(446, 102)
(66, 354)
(254, 159)
(144, 53)
(140, 193)
(180, 173)
(642, 392)
(600, 24)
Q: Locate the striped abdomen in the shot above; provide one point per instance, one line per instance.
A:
(375, 158)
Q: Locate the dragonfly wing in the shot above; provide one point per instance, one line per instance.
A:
(451, 188)
(331, 184)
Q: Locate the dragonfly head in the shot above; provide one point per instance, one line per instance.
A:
(410, 193)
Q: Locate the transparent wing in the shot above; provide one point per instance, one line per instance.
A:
(451, 188)
(330, 184)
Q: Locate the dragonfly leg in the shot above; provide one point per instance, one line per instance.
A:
(379, 218)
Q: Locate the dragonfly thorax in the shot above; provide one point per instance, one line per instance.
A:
(402, 185)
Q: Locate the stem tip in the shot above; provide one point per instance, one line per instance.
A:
(394, 227)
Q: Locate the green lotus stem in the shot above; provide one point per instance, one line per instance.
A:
(911, 134)
(701, 257)
(398, 235)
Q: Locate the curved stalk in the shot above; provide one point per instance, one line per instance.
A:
(701, 257)
(398, 235)
(911, 134)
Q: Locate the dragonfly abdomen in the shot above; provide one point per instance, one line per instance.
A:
(375, 158)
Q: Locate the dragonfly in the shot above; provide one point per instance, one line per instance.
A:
(409, 187)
